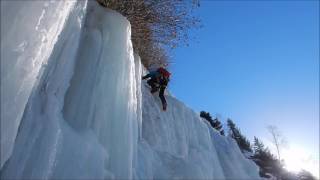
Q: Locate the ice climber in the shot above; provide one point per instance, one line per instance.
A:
(158, 80)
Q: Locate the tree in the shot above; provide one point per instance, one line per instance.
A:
(232, 129)
(258, 146)
(278, 139)
(235, 133)
(267, 162)
(287, 175)
(305, 175)
(206, 115)
(216, 124)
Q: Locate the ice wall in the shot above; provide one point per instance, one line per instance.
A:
(29, 29)
(80, 120)
(75, 106)
(179, 144)
(102, 93)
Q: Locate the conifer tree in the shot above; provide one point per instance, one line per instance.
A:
(242, 141)
(216, 124)
(258, 146)
(232, 129)
(267, 162)
(205, 115)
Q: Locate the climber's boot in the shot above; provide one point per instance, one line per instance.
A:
(164, 107)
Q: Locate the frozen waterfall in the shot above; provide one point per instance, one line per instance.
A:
(73, 105)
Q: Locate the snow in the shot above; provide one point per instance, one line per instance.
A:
(82, 110)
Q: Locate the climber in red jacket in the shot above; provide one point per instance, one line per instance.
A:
(159, 80)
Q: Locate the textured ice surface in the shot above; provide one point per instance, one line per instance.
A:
(179, 144)
(80, 120)
(75, 106)
(29, 30)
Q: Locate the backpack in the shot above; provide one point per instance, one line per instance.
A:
(164, 72)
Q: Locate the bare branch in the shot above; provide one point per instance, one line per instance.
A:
(157, 25)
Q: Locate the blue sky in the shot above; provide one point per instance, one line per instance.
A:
(256, 62)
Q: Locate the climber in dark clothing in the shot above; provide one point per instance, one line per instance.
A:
(159, 80)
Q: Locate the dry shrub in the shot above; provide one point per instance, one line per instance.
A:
(157, 26)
